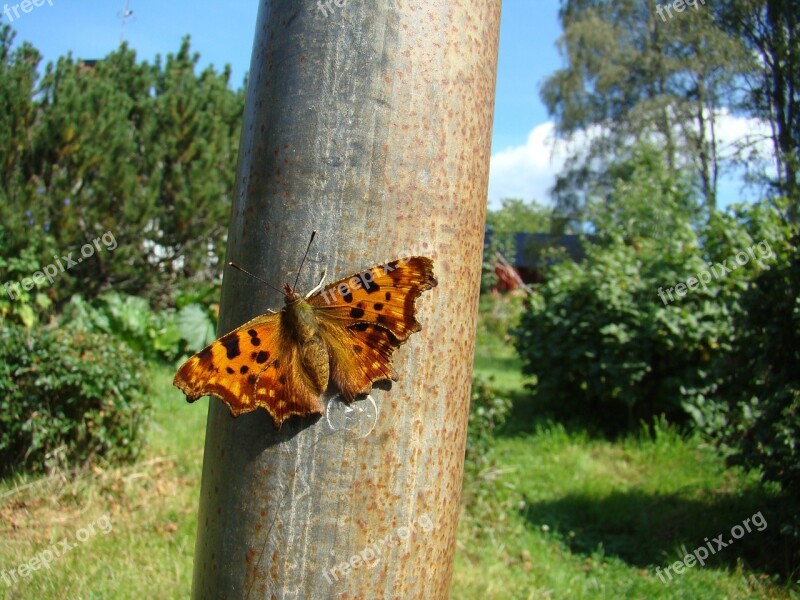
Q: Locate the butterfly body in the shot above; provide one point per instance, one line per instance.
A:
(299, 323)
(345, 334)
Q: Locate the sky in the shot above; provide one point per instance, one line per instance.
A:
(525, 158)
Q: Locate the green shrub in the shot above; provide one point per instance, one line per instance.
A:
(70, 398)
(18, 264)
(607, 348)
(766, 435)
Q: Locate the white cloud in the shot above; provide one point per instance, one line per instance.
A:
(526, 171)
(529, 171)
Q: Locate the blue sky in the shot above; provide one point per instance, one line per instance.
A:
(522, 161)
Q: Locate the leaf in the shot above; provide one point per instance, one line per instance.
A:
(195, 327)
(26, 315)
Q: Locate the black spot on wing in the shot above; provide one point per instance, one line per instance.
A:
(356, 313)
(262, 357)
(231, 344)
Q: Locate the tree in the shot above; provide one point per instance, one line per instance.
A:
(633, 75)
(143, 154)
(18, 76)
(769, 31)
(517, 216)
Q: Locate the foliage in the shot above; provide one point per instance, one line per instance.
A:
(488, 275)
(488, 410)
(647, 200)
(141, 153)
(767, 378)
(70, 398)
(768, 30)
(165, 335)
(643, 71)
(17, 304)
(605, 341)
(517, 216)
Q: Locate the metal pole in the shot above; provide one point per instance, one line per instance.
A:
(371, 123)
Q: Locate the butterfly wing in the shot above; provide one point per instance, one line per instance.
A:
(363, 319)
(254, 365)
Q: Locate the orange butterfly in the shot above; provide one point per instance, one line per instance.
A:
(284, 361)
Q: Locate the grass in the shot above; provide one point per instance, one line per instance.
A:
(151, 507)
(569, 514)
(563, 513)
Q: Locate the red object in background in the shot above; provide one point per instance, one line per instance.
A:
(508, 278)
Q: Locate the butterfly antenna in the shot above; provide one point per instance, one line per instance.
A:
(313, 235)
(246, 272)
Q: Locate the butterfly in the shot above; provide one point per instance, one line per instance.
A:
(344, 333)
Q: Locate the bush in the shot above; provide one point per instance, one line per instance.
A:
(605, 347)
(767, 434)
(70, 398)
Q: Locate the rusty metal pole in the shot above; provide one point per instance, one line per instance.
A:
(371, 123)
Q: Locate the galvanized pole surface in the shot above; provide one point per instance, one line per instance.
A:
(371, 123)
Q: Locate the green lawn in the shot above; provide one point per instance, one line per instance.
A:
(567, 514)
(562, 514)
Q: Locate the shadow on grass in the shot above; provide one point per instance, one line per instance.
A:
(647, 530)
(528, 413)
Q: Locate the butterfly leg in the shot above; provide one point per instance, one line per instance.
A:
(319, 285)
